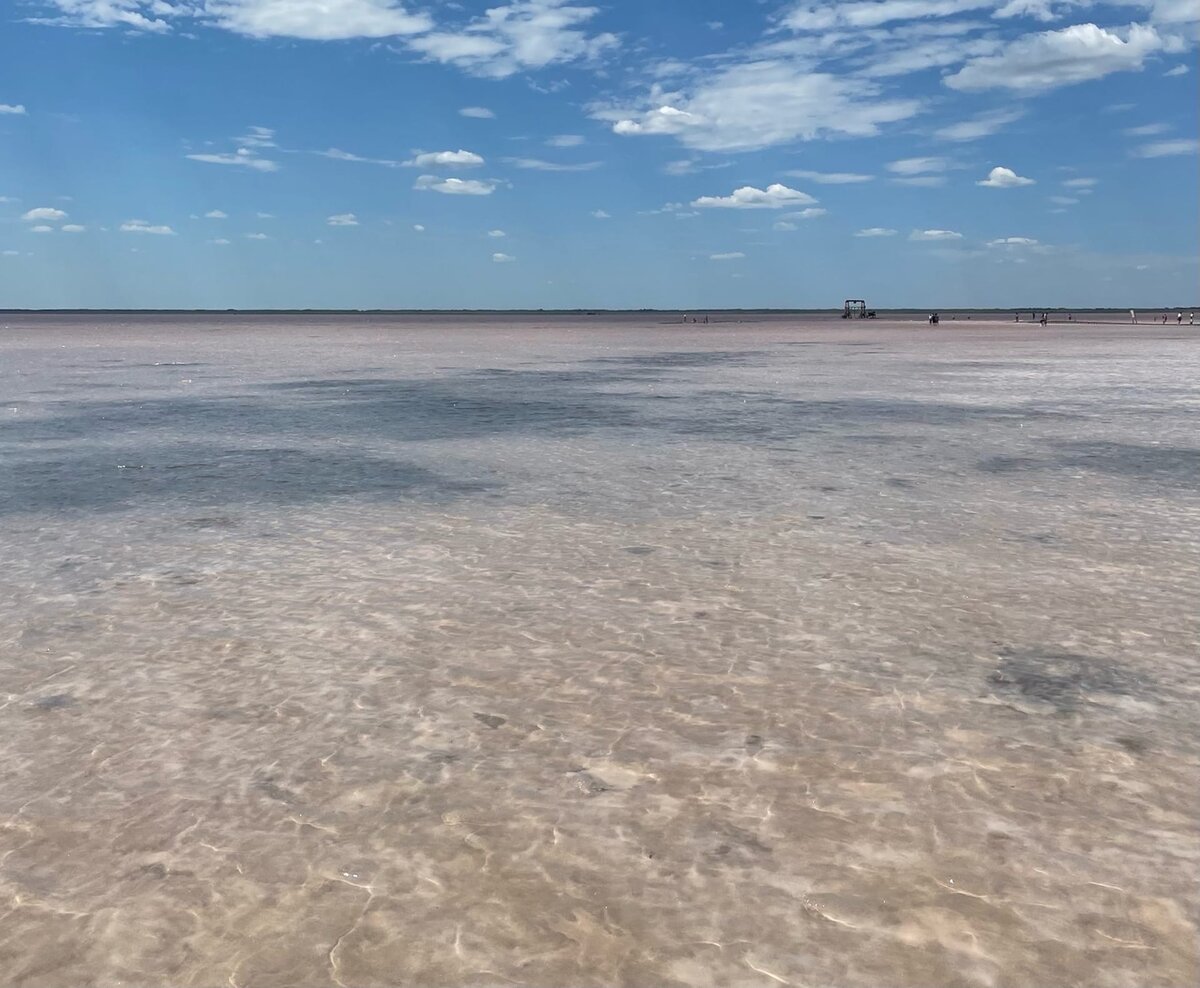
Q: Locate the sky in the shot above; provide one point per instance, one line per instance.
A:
(623, 154)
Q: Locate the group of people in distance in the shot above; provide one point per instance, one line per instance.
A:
(1166, 316)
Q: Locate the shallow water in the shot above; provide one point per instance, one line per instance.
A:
(380, 651)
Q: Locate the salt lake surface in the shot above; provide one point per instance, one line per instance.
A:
(594, 652)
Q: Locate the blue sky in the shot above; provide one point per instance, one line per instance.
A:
(554, 153)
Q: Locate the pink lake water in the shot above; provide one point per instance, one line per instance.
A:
(380, 651)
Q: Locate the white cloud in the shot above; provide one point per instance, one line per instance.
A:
(536, 164)
(748, 197)
(265, 216)
(1013, 242)
(11, 253)
(1038, 10)
(220, 242)
(257, 236)
(1172, 11)
(41, 228)
(216, 214)
(44, 213)
(243, 157)
(982, 125)
(821, 17)
(830, 178)
(876, 231)
(497, 234)
(524, 34)
(787, 221)
(72, 228)
(499, 258)
(141, 226)
(918, 166)
(761, 103)
(257, 137)
(455, 186)
(477, 113)
(1080, 53)
(600, 214)
(342, 219)
(1064, 200)
(16, 109)
(337, 154)
(923, 235)
(1004, 178)
(1162, 149)
(315, 20)
(1081, 183)
(418, 228)
(733, 255)
(1177, 71)
(445, 159)
(137, 15)
(889, 53)
(1146, 130)
(565, 141)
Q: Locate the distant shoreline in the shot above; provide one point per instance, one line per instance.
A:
(833, 312)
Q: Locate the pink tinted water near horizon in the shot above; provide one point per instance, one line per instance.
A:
(546, 651)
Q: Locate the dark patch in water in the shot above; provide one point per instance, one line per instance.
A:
(680, 359)
(640, 550)
(1064, 680)
(491, 720)
(216, 521)
(591, 785)
(200, 475)
(55, 702)
(269, 789)
(1132, 744)
(1175, 465)
(1008, 464)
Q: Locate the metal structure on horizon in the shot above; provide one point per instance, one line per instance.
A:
(856, 308)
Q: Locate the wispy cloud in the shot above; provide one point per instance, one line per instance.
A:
(537, 164)
(830, 178)
(142, 226)
(342, 219)
(43, 213)
(1146, 130)
(981, 125)
(246, 153)
(455, 186)
(1163, 149)
(931, 235)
